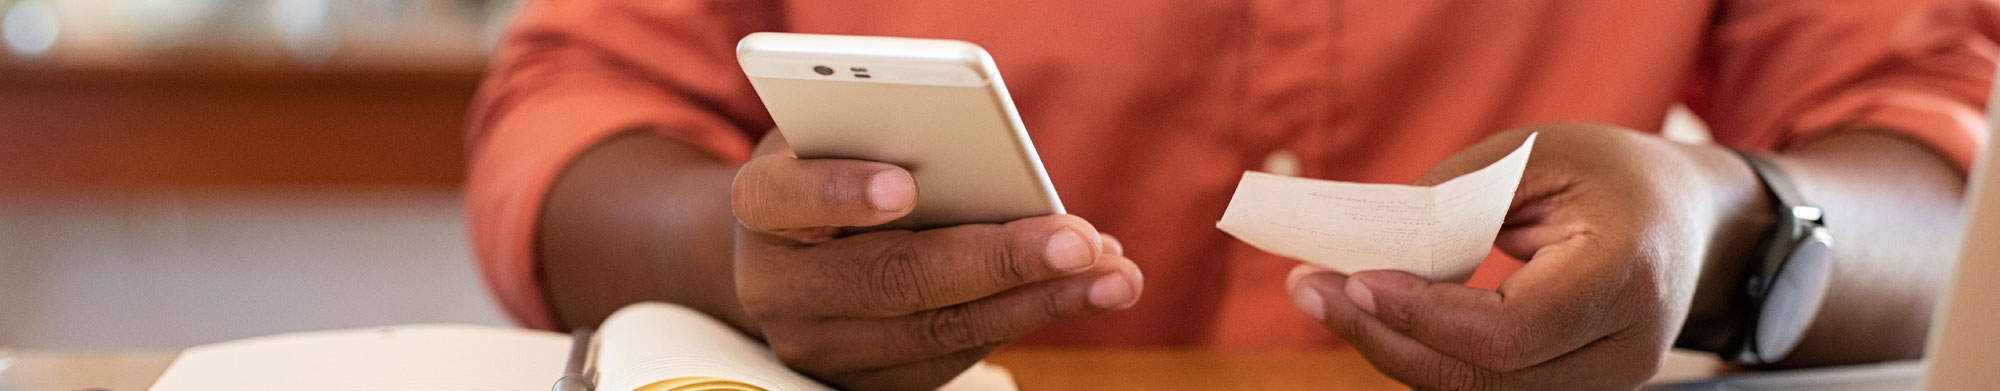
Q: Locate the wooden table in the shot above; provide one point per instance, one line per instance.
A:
(1041, 369)
(69, 371)
(1034, 369)
(1339, 369)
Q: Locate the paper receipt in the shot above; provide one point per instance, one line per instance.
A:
(1439, 232)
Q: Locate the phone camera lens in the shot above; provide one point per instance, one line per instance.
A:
(823, 70)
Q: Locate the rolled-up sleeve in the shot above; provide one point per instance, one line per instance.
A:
(1778, 72)
(572, 73)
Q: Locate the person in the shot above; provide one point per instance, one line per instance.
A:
(617, 154)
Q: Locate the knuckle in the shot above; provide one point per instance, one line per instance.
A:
(1452, 376)
(1403, 315)
(1350, 327)
(836, 197)
(1439, 374)
(897, 279)
(1501, 352)
(952, 329)
(739, 203)
(1487, 380)
(1005, 265)
(1055, 307)
(1443, 374)
(745, 191)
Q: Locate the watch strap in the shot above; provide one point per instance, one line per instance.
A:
(1775, 181)
(1794, 219)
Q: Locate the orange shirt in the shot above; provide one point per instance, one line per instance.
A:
(1147, 112)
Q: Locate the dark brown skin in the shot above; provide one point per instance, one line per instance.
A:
(639, 218)
(1618, 227)
(882, 310)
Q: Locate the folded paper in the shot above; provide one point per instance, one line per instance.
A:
(1437, 232)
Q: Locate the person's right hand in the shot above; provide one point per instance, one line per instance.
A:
(901, 309)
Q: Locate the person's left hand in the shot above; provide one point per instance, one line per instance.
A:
(1616, 227)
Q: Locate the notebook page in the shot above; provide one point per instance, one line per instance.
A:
(415, 357)
(1440, 232)
(982, 377)
(650, 342)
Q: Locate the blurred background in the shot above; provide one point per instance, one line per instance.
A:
(179, 172)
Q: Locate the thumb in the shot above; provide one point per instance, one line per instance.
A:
(1482, 327)
(1391, 296)
(1395, 297)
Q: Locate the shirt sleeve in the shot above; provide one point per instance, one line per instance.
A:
(572, 73)
(1777, 72)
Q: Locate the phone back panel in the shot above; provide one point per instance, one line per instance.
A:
(963, 143)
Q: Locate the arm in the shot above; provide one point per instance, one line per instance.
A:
(610, 164)
(571, 75)
(1893, 208)
(639, 217)
(1879, 135)
(1627, 236)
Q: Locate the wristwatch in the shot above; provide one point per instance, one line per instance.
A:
(1789, 281)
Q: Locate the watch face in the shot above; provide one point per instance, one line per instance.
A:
(1796, 294)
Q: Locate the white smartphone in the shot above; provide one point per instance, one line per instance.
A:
(934, 107)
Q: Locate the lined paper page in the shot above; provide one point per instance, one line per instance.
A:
(651, 342)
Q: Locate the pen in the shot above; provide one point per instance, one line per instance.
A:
(577, 374)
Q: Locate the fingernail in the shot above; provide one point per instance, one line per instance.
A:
(1309, 301)
(1358, 292)
(1111, 292)
(1067, 251)
(892, 190)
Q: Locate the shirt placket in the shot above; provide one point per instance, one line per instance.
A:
(1289, 57)
(1290, 60)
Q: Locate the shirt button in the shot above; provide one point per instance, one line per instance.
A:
(1282, 162)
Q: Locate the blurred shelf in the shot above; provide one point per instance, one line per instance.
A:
(120, 129)
(229, 35)
(130, 94)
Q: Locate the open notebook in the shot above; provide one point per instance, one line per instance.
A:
(643, 347)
